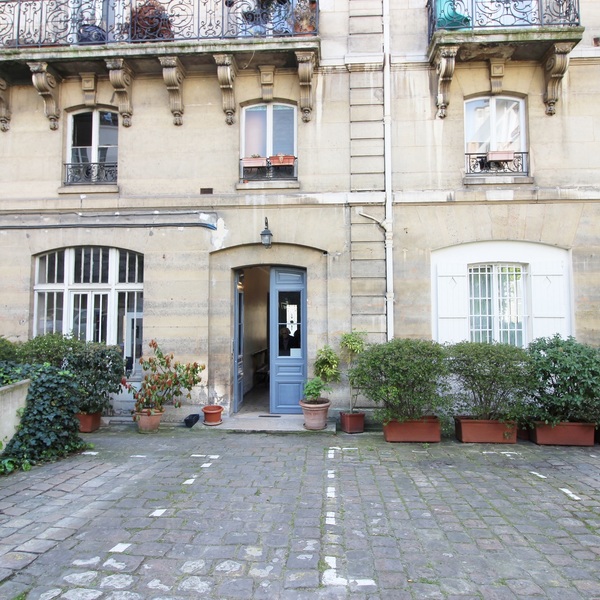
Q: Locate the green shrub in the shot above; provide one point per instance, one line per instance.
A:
(313, 390)
(48, 429)
(8, 349)
(493, 380)
(327, 364)
(51, 348)
(98, 371)
(567, 381)
(404, 376)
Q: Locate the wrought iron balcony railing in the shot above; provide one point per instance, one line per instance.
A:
(90, 173)
(268, 168)
(485, 14)
(67, 22)
(497, 163)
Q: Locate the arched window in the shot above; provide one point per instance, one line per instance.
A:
(495, 135)
(94, 293)
(269, 141)
(93, 148)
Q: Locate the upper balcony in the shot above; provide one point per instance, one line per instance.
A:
(73, 32)
(499, 30)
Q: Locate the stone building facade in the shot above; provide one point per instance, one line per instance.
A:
(426, 169)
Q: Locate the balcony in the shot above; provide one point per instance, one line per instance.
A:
(500, 30)
(280, 167)
(497, 163)
(90, 173)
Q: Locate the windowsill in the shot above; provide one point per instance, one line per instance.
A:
(497, 180)
(277, 184)
(109, 188)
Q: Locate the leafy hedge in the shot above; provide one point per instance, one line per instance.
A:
(48, 429)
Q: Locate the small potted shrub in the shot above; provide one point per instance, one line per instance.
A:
(405, 378)
(165, 382)
(352, 344)
(492, 383)
(315, 407)
(566, 400)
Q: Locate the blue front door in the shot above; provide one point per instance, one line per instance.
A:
(287, 339)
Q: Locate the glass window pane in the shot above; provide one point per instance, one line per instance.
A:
(289, 325)
(477, 125)
(255, 131)
(508, 124)
(283, 129)
(82, 129)
(109, 129)
(80, 315)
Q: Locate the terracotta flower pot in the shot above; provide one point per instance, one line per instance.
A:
(563, 434)
(89, 422)
(212, 414)
(427, 429)
(315, 415)
(482, 431)
(148, 423)
(352, 422)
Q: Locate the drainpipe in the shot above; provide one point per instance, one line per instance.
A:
(388, 223)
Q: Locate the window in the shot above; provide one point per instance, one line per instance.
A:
(496, 304)
(269, 142)
(514, 293)
(495, 138)
(93, 145)
(94, 293)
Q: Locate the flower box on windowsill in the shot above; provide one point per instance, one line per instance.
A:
(254, 162)
(500, 155)
(281, 160)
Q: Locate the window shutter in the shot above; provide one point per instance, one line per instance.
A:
(452, 303)
(549, 300)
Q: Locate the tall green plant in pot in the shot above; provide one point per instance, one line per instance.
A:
(406, 379)
(352, 344)
(566, 399)
(491, 384)
(315, 407)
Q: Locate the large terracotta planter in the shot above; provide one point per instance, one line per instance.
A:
(352, 422)
(315, 415)
(563, 434)
(426, 429)
(148, 423)
(89, 422)
(481, 431)
(212, 414)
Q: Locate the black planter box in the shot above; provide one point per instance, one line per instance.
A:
(191, 420)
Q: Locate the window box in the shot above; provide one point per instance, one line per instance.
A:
(254, 162)
(500, 155)
(282, 160)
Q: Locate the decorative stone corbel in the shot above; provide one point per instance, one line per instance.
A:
(226, 72)
(173, 75)
(445, 63)
(4, 105)
(45, 83)
(556, 63)
(121, 76)
(496, 75)
(306, 69)
(267, 81)
(88, 87)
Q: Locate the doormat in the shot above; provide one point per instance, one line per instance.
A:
(271, 416)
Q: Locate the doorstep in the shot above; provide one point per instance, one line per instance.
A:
(264, 423)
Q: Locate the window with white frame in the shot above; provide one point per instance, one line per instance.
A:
(513, 292)
(269, 141)
(94, 293)
(495, 135)
(93, 148)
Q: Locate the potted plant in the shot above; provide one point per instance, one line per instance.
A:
(165, 382)
(492, 382)
(352, 344)
(98, 371)
(405, 378)
(566, 400)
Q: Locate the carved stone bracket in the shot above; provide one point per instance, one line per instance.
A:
(4, 105)
(445, 63)
(121, 76)
(496, 75)
(226, 72)
(173, 75)
(88, 87)
(556, 63)
(306, 69)
(267, 81)
(45, 83)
